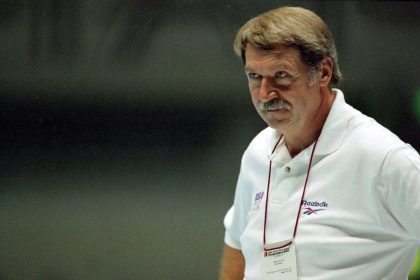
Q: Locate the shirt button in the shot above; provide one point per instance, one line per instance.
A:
(287, 169)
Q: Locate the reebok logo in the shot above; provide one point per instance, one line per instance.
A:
(309, 207)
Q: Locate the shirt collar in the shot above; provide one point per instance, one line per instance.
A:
(335, 126)
(332, 133)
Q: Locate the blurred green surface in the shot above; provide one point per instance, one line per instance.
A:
(415, 270)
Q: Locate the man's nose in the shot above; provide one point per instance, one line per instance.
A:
(268, 91)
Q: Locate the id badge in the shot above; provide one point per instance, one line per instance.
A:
(279, 262)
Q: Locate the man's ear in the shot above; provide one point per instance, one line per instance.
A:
(326, 69)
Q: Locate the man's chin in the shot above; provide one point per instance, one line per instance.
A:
(278, 125)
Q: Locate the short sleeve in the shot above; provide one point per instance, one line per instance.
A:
(398, 193)
(236, 217)
(230, 239)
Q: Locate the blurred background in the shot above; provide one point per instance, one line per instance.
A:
(123, 124)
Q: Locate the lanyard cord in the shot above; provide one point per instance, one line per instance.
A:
(301, 199)
(268, 189)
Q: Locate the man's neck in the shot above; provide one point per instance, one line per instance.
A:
(297, 141)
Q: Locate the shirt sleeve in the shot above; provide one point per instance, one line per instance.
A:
(236, 218)
(230, 238)
(399, 193)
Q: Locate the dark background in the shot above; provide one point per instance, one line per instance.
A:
(123, 124)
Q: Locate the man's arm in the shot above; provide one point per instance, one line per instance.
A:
(233, 264)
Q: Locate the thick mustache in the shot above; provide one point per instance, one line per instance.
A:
(274, 105)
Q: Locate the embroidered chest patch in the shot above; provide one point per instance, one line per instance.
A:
(257, 201)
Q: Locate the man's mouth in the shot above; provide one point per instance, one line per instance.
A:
(274, 105)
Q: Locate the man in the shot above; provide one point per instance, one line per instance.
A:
(324, 192)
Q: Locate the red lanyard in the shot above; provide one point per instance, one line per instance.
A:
(301, 199)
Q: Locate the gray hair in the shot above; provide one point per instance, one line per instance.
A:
(292, 27)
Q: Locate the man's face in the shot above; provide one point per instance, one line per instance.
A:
(281, 88)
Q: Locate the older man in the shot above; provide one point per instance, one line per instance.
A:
(324, 192)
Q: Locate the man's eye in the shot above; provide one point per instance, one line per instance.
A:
(253, 76)
(283, 78)
(282, 74)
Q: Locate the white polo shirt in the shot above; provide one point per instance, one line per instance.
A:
(360, 216)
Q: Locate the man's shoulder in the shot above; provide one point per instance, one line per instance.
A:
(361, 130)
(366, 134)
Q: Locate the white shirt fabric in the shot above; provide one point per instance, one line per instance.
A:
(360, 217)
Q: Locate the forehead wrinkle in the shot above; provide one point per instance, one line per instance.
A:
(285, 58)
(278, 65)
